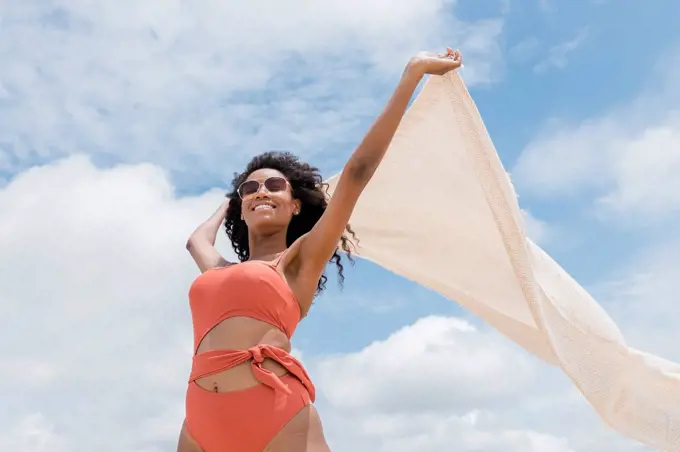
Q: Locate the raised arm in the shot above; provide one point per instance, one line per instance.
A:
(317, 246)
(201, 243)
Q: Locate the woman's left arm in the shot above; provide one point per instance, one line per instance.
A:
(317, 246)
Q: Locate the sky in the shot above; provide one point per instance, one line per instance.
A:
(122, 123)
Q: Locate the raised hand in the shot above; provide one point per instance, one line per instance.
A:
(437, 64)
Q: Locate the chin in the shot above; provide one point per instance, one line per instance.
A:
(267, 224)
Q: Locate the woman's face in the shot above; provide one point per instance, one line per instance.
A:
(267, 202)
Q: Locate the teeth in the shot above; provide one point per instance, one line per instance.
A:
(263, 206)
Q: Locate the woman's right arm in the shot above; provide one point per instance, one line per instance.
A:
(201, 243)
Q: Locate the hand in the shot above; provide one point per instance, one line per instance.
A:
(432, 63)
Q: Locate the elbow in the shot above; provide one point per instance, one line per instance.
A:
(360, 171)
(191, 242)
(198, 238)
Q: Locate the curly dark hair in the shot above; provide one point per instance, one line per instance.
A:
(307, 186)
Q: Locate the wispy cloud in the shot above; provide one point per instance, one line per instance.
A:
(629, 157)
(195, 86)
(525, 49)
(642, 295)
(536, 229)
(558, 55)
(545, 5)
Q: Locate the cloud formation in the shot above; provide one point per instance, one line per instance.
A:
(627, 160)
(197, 86)
(558, 55)
(93, 281)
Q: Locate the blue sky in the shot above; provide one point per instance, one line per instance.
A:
(121, 125)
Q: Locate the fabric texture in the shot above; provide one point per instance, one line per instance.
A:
(441, 211)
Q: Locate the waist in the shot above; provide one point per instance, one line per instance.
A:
(219, 360)
(215, 361)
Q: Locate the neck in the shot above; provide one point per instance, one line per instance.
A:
(266, 246)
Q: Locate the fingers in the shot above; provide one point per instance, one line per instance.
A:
(452, 54)
(454, 59)
(457, 58)
(449, 53)
(448, 61)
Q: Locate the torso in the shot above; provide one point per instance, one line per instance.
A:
(241, 333)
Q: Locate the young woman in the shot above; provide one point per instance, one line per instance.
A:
(246, 392)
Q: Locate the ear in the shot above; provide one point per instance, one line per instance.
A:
(298, 206)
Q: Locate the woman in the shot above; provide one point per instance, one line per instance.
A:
(246, 392)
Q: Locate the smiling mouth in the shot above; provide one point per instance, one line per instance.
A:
(263, 207)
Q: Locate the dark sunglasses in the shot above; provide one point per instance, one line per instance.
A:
(273, 184)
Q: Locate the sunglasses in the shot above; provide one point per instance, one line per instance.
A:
(273, 184)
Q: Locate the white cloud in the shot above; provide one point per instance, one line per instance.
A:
(444, 384)
(420, 389)
(193, 86)
(632, 170)
(435, 432)
(646, 172)
(642, 297)
(536, 229)
(627, 159)
(93, 278)
(31, 433)
(525, 49)
(398, 365)
(558, 55)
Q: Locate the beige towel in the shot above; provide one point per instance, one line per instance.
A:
(441, 211)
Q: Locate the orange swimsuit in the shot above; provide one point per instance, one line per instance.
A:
(244, 420)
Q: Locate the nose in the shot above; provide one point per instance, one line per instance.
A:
(261, 190)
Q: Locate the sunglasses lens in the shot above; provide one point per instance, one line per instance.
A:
(274, 184)
(248, 188)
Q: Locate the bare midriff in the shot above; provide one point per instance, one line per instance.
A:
(241, 333)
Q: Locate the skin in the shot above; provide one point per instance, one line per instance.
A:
(304, 262)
